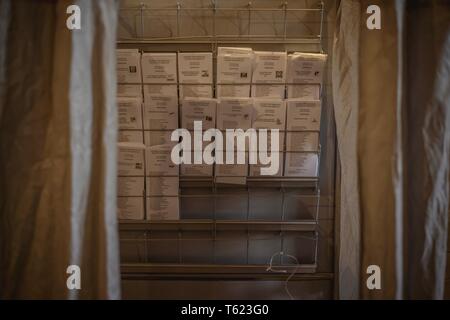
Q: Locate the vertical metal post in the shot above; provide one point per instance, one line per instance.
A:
(285, 19)
(141, 12)
(178, 18)
(322, 6)
(249, 24)
(214, 7)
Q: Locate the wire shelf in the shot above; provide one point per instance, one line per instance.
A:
(211, 36)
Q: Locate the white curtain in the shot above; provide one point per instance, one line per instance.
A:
(57, 150)
(391, 92)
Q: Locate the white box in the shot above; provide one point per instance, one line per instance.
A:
(163, 208)
(130, 159)
(130, 186)
(161, 113)
(130, 208)
(130, 136)
(195, 68)
(302, 141)
(128, 66)
(233, 170)
(269, 114)
(130, 113)
(255, 169)
(159, 138)
(169, 90)
(270, 68)
(301, 164)
(159, 162)
(304, 91)
(162, 186)
(234, 113)
(129, 90)
(305, 67)
(198, 109)
(303, 115)
(160, 68)
(234, 68)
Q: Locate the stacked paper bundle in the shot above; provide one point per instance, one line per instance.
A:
(204, 110)
(269, 114)
(305, 75)
(269, 70)
(234, 66)
(195, 72)
(130, 179)
(159, 72)
(302, 138)
(233, 113)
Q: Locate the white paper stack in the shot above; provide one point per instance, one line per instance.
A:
(162, 186)
(234, 113)
(269, 114)
(198, 109)
(194, 169)
(234, 169)
(255, 169)
(299, 164)
(130, 136)
(130, 181)
(163, 208)
(162, 198)
(130, 208)
(159, 138)
(160, 90)
(129, 90)
(130, 113)
(305, 75)
(303, 115)
(159, 74)
(302, 138)
(270, 68)
(302, 141)
(159, 68)
(159, 161)
(160, 112)
(195, 74)
(128, 66)
(234, 66)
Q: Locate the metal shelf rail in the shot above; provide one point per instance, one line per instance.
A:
(215, 39)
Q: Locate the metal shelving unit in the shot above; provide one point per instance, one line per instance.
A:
(146, 268)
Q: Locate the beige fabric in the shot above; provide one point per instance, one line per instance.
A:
(403, 141)
(345, 92)
(57, 150)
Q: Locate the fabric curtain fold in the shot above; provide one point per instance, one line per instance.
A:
(58, 154)
(396, 80)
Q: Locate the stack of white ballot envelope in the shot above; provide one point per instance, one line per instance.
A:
(269, 114)
(192, 110)
(305, 74)
(302, 138)
(130, 180)
(159, 92)
(234, 72)
(195, 72)
(269, 70)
